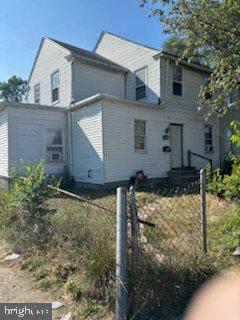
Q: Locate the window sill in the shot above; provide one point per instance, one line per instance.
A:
(140, 151)
(55, 162)
(55, 102)
(176, 96)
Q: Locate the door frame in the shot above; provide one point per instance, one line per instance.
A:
(181, 126)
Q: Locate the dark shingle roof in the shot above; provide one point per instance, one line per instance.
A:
(89, 55)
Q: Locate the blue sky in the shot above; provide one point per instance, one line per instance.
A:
(79, 22)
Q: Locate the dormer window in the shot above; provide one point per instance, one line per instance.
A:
(55, 86)
(37, 93)
(177, 81)
(140, 83)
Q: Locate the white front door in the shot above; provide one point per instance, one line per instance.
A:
(176, 146)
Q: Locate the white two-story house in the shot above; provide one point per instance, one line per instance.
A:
(103, 115)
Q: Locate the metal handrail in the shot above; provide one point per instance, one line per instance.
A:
(190, 154)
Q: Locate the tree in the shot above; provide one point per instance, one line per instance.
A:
(212, 27)
(14, 90)
(176, 46)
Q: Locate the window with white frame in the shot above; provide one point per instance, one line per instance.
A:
(177, 87)
(208, 135)
(54, 145)
(37, 93)
(141, 80)
(55, 86)
(139, 134)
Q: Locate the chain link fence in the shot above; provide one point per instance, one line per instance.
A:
(165, 252)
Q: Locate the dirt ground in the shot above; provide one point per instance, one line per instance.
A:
(18, 286)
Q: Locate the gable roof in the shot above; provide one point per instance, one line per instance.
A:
(158, 52)
(83, 54)
(123, 38)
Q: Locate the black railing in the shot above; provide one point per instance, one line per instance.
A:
(190, 154)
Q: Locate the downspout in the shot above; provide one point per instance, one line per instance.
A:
(70, 122)
(125, 85)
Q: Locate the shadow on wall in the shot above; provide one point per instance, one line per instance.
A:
(87, 149)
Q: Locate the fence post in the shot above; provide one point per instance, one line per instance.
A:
(203, 209)
(121, 255)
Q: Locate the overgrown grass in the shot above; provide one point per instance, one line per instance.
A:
(79, 259)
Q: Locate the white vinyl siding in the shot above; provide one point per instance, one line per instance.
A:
(88, 144)
(191, 81)
(27, 128)
(120, 159)
(51, 58)
(133, 57)
(89, 80)
(4, 143)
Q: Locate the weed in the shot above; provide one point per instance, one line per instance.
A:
(46, 285)
(31, 265)
(75, 290)
(41, 274)
(90, 309)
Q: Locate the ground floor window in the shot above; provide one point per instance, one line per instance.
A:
(140, 135)
(54, 145)
(208, 139)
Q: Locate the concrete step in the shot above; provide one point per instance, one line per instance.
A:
(183, 176)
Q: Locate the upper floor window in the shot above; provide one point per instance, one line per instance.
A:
(177, 81)
(141, 80)
(37, 93)
(55, 86)
(139, 135)
(208, 135)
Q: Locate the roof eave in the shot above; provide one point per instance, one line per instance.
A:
(189, 64)
(96, 62)
(110, 98)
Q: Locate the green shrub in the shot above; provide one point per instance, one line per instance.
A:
(24, 210)
(225, 185)
(231, 184)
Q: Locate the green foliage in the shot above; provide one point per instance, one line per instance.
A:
(75, 290)
(210, 27)
(225, 232)
(14, 90)
(24, 211)
(225, 185)
(41, 274)
(176, 45)
(46, 285)
(31, 265)
(231, 183)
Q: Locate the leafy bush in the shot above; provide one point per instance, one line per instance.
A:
(231, 184)
(24, 210)
(225, 185)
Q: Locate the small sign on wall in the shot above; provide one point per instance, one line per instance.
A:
(166, 149)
